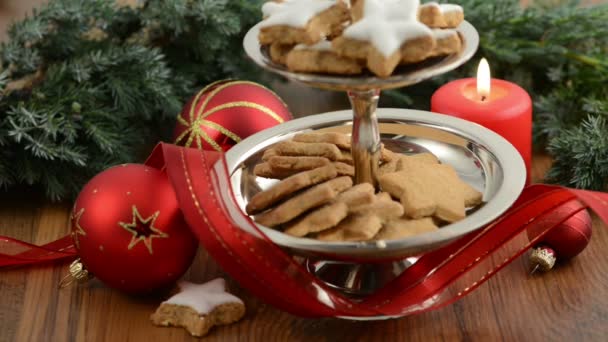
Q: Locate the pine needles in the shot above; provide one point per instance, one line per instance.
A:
(88, 84)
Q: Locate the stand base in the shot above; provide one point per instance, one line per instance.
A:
(354, 279)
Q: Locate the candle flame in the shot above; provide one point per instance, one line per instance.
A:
(483, 79)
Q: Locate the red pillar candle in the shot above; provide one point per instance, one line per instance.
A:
(501, 106)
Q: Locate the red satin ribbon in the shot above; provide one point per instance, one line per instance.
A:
(437, 279)
(14, 252)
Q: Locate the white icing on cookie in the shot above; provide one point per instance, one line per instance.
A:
(323, 45)
(293, 13)
(387, 26)
(203, 298)
(402, 9)
(445, 8)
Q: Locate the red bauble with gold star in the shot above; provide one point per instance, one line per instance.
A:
(129, 230)
(226, 112)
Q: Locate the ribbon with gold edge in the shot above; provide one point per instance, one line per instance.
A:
(437, 279)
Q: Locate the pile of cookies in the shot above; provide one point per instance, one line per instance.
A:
(344, 37)
(316, 197)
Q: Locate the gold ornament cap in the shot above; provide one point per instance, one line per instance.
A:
(78, 273)
(542, 259)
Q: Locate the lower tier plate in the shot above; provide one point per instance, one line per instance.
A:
(481, 157)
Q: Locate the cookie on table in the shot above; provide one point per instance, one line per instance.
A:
(319, 58)
(380, 38)
(436, 15)
(301, 21)
(199, 307)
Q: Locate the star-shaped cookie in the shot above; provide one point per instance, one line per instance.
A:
(301, 21)
(386, 32)
(199, 307)
(427, 189)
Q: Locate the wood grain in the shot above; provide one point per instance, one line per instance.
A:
(569, 303)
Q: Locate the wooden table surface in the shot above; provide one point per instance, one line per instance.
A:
(569, 303)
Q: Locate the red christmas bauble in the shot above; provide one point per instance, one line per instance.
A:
(568, 239)
(226, 112)
(129, 230)
(571, 237)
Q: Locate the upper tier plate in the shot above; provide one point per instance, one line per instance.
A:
(403, 76)
(481, 157)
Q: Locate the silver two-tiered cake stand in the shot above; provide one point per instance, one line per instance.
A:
(482, 158)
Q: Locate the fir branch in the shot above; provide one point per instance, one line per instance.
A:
(80, 94)
(581, 155)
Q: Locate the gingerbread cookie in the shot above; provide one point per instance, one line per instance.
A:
(296, 164)
(427, 190)
(403, 228)
(269, 153)
(319, 220)
(354, 228)
(344, 169)
(292, 148)
(199, 307)
(264, 170)
(314, 197)
(436, 15)
(338, 139)
(384, 39)
(301, 21)
(265, 199)
(448, 42)
(278, 52)
(333, 213)
(319, 58)
(357, 196)
(383, 206)
(267, 171)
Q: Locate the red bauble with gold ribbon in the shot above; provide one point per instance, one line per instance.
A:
(226, 112)
(563, 242)
(129, 230)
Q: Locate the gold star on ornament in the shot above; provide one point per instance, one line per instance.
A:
(197, 119)
(143, 229)
(76, 228)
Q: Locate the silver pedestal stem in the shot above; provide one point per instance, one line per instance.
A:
(365, 144)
